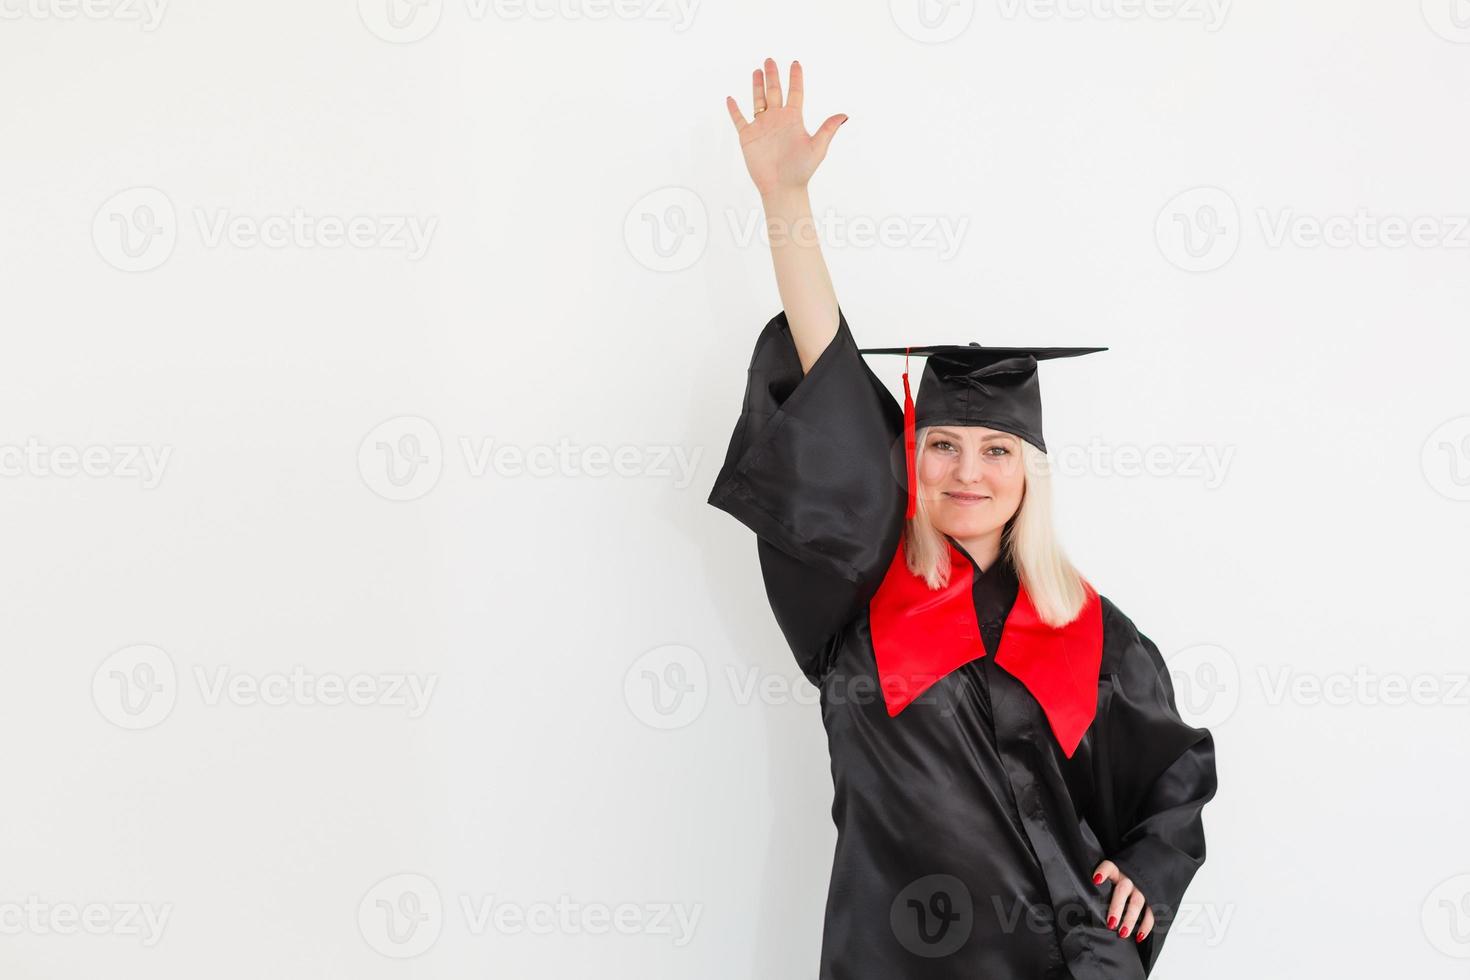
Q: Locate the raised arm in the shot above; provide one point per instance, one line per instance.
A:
(781, 159)
(810, 466)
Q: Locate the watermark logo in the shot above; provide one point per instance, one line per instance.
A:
(1450, 19)
(667, 687)
(136, 229)
(1206, 680)
(932, 21)
(1445, 459)
(401, 916)
(402, 458)
(1199, 229)
(933, 916)
(667, 230)
(1445, 917)
(400, 21)
(136, 687)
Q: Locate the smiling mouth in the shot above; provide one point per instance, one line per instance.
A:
(966, 498)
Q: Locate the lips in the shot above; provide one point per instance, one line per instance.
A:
(967, 498)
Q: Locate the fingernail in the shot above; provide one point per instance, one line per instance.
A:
(1112, 921)
(1123, 932)
(1097, 878)
(1138, 938)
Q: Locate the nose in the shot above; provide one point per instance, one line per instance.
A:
(969, 469)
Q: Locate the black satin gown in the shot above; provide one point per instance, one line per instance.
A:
(966, 838)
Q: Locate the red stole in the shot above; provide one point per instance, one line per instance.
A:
(920, 635)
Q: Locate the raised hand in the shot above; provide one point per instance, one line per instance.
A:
(779, 154)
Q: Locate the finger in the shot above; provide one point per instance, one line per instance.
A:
(736, 116)
(773, 84)
(1105, 871)
(758, 89)
(822, 138)
(1146, 926)
(798, 87)
(1131, 913)
(1122, 888)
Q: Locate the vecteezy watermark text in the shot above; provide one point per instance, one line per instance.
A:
(407, 21)
(138, 686)
(137, 229)
(148, 14)
(404, 457)
(121, 461)
(33, 916)
(668, 230)
(1201, 229)
(1210, 14)
(403, 915)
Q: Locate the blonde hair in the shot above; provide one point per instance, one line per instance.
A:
(1029, 540)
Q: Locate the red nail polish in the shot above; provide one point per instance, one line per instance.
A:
(1097, 878)
(1112, 921)
(1123, 932)
(1138, 938)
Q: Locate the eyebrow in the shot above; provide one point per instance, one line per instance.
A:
(938, 431)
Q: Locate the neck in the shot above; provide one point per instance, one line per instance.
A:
(984, 549)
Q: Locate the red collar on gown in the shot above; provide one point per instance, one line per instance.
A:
(921, 635)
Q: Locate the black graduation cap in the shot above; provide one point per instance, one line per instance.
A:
(996, 387)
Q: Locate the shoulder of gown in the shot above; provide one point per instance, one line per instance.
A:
(814, 467)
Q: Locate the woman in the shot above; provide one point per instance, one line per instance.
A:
(1015, 793)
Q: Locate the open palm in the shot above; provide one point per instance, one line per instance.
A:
(779, 154)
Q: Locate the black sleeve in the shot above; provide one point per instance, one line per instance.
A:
(815, 469)
(1155, 775)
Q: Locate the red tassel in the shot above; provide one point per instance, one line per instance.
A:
(908, 440)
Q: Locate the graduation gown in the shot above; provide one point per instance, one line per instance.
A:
(972, 799)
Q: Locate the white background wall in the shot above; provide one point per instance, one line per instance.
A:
(301, 460)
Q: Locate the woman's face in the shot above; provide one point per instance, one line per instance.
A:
(971, 478)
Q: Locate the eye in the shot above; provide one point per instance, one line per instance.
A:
(999, 450)
(941, 444)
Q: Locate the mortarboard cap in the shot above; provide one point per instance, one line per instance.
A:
(996, 387)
